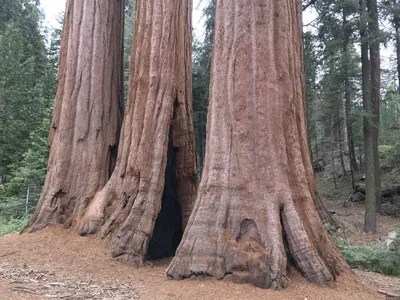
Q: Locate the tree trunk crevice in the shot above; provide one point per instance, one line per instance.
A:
(158, 121)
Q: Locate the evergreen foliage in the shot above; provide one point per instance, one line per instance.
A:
(28, 77)
(128, 39)
(381, 259)
(202, 52)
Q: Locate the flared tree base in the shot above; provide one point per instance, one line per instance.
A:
(256, 249)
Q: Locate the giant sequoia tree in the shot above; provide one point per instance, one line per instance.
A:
(88, 111)
(151, 191)
(256, 208)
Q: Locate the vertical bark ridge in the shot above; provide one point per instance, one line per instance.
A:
(301, 177)
(258, 186)
(86, 118)
(159, 102)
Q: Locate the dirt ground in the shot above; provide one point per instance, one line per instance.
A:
(352, 221)
(59, 264)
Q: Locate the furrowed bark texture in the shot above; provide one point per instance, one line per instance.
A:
(255, 208)
(88, 111)
(159, 103)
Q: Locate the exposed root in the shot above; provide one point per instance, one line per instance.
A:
(132, 259)
(306, 257)
(94, 217)
(252, 256)
(90, 225)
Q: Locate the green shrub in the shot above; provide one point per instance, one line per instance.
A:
(13, 225)
(386, 151)
(374, 258)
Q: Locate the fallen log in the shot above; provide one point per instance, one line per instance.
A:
(387, 193)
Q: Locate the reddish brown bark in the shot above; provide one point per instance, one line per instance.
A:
(159, 106)
(256, 203)
(88, 111)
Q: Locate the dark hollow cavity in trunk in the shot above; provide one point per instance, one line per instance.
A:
(168, 231)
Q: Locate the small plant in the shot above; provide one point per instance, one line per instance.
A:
(13, 225)
(374, 258)
(386, 151)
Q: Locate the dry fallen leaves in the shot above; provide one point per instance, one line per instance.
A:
(49, 285)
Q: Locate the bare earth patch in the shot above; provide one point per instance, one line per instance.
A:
(63, 265)
(352, 219)
(383, 283)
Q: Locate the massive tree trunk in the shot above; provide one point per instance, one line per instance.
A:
(369, 169)
(87, 114)
(256, 208)
(158, 120)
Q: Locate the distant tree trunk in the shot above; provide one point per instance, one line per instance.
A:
(341, 150)
(333, 170)
(375, 62)
(157, 129)
(350, 140)
(337, 127)
(333, 144)
(256, 204)
(324, 214)
(396, 21)
(343, 123)
(369, 169)
(88, 111)
(398, 52)
(347, 96)
(360, 154)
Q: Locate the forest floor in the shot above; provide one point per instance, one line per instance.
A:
(59, 264)
(351, 219)
(62, 265)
